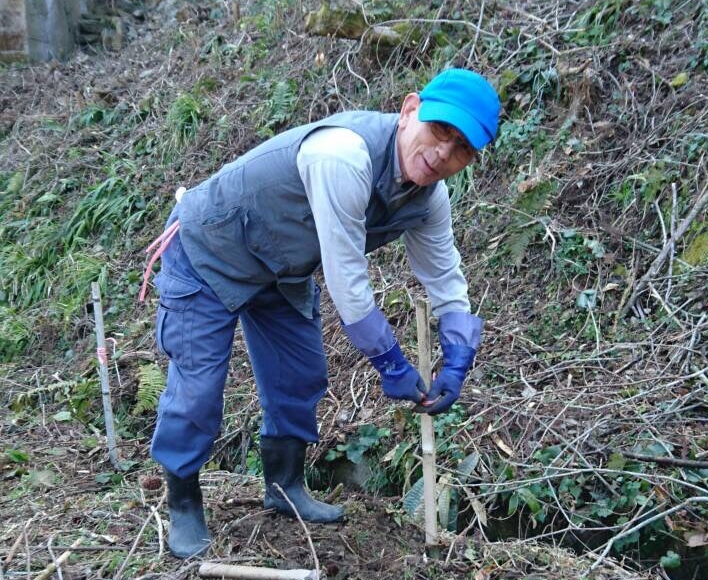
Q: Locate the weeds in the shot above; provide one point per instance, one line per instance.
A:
(573, 201)
(278, 109)
(185, 115)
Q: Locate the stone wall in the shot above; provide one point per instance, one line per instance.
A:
(13, 30)
(38, 30)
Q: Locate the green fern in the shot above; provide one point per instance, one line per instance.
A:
(151, 383)
(518, 242)
(525, 228)
(279, 107)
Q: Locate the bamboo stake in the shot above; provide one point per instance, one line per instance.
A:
(214, 570)
(103, 374)
(54, 566)
(427, 434)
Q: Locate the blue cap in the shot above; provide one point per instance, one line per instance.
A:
(465, 100)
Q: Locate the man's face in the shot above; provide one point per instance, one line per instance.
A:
(424, 157)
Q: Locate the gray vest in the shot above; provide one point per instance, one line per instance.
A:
(250, 225)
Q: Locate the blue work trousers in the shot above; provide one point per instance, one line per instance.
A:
(195, 330)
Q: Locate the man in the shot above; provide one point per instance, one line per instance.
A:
(243, 245)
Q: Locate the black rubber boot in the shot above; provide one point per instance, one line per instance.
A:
(284, 464)
(189, 535)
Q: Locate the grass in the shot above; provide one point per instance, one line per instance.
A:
(82, 193)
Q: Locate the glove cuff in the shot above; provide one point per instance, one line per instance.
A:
(460, 328)
(390, 362)
(372, 335)
(458, 358)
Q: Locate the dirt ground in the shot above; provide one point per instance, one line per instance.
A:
(543, 380)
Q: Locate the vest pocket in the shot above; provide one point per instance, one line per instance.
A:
(174, 317)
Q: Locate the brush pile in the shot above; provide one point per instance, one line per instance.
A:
(578, 448)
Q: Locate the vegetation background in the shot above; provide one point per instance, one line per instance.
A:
(579, 446)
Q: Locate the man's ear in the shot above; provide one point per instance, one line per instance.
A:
(411, 102)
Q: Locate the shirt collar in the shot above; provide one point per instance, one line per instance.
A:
(397, 173)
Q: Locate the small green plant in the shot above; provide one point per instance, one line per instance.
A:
(219, 51)
(15, 334)
(91, 115)
(526, 226)
(184, 117)
(448, 495)
(95, 114)
(575, 253)
(17, 455)
(151, 383)
(460, 185)
(80, 398)
(520, 136)
(367, 437)
(72, 276)
(598, 24)
(279, 108)
(110, 206)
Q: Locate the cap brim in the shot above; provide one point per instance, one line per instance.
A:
(465, 123)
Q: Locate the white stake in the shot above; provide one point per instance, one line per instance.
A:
(215, 570)
(103, 374)
(427, 434)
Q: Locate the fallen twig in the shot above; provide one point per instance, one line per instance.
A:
(304, 527)
(56, 564)
(153, 513)
(17, 542)
(677, 461)
(668, 247)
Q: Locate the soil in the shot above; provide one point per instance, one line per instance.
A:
(540, 382)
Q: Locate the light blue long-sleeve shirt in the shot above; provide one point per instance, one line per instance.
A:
(335, 167)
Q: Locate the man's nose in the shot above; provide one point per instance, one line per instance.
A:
(446, 149)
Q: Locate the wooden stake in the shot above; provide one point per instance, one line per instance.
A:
(103, 374)
(54, 566)
(427, 434)
(214, 570)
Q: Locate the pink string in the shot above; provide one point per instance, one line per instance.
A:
(163, 240)
(102, 355)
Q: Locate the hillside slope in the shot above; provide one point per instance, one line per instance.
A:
(583, 234)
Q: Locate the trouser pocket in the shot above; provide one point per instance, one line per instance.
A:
(175, 317)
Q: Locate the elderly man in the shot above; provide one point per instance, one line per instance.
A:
(243, 245)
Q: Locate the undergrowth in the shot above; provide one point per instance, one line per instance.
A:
(581, 425)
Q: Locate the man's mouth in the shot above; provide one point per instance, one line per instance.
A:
(429, 168)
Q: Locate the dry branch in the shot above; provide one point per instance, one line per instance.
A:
(54, 566)
(677, 461)
(304, 527)
(665, 251)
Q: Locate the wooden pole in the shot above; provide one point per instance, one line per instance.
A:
(103, 374)
(48, 572)
(427, 434)
(215, 570)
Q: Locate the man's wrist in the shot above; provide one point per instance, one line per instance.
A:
(372, 335)
(460, 328)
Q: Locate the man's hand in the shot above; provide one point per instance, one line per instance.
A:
(399, 379)
(445, 390)
(374, 337)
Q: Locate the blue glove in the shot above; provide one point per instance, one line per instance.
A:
(445, 390)
(399, 379)
(373, 336)
(460, 335)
